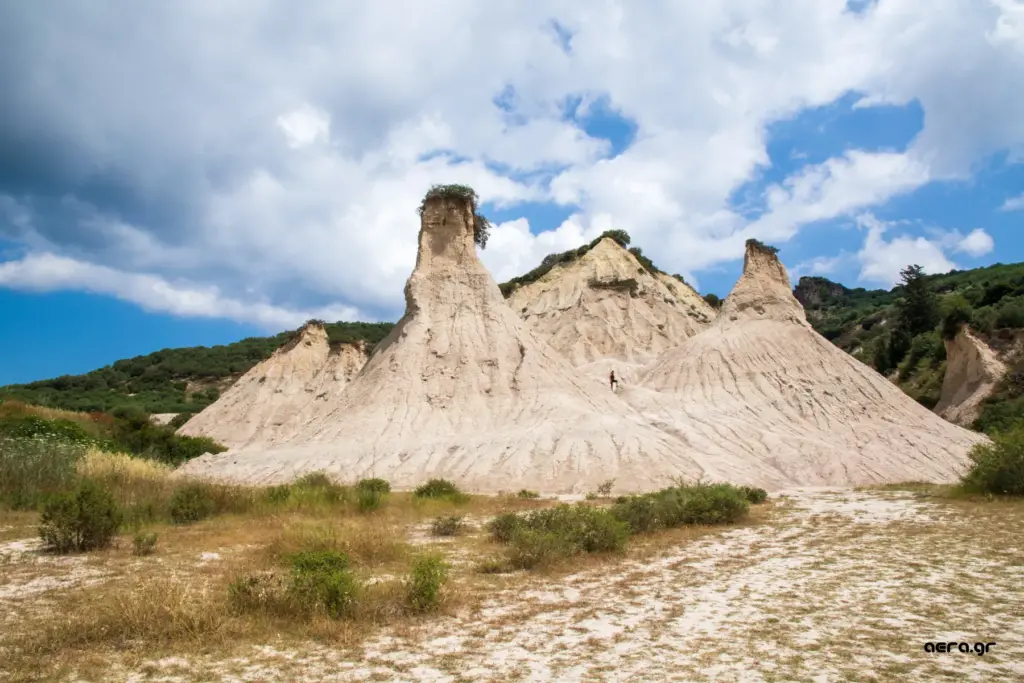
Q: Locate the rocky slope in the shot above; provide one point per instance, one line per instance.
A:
(762, 384)
(463, 389)
(276, 397)
(972, 373)
(605, 311)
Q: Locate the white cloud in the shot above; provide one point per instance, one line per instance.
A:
(285, 165)
(977, 243)
(1014, 203)
(881, 260)
(305, 125)
(47, 272)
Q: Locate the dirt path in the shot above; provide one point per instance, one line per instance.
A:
(839, 585)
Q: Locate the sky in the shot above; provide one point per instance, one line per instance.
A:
(193, 173)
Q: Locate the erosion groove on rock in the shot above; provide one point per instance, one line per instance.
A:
(972, 372)
(280, 395)
(604, 311)
(467, 389)
(762, 386)
(463, 389)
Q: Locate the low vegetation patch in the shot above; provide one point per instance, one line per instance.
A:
(426, 580)
(997, 468)
(441, 489)
(546, 536)
(84, 519)
(551, 535)
(448, 525)
(144, 543)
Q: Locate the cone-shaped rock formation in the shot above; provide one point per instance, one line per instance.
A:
(762, 385)
(280, 395)
(972, 372)
(604, 311)
(462, 389)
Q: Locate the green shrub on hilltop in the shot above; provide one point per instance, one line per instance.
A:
(461, 193)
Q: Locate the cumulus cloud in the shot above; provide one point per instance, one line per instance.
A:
(47, 272)
(1014, 203)
(281, 167)
(882, 260)
(977, 243)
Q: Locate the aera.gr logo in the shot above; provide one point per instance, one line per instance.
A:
(954, 646)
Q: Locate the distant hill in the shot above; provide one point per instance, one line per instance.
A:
(860, 322)
(184, 380)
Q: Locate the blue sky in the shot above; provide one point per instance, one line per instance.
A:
(196, 197)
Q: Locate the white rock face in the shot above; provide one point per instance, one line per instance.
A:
(972, 372)
(763, 386)
(462, 389)
(605, 312)
(278, 396)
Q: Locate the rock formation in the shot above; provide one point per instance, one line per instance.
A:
(462, 389)
(604, 311)
(762, 385)
(972, 372)
(281, 394)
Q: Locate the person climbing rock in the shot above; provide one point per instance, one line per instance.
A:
(612, 381)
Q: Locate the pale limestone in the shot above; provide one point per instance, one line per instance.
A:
(972, 373)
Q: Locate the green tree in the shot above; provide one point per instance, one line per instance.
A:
(919, 309)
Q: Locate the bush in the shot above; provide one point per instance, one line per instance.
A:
(754, 495)
(685, 504)
(143, 543)
(526, 493)
(504, 527)
(429, 575)
(379, 485)
(532, 549)
(81, 520)
(368, 500)
(275, 495)
(955, 313)
(640, 513)
(447, 525)
(317, 488)
(192, 502)
(1010, 314)
(321, 580)
(604, 489)
(998, 468)
(579, 528)
(702, 504)
(440, 488)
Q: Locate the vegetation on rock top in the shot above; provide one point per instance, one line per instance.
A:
(461, 193)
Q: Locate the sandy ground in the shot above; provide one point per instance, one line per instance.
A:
(838, 585)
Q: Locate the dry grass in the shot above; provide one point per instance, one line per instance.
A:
(94, 423)
(113, 606)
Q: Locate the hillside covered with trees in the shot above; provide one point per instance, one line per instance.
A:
(184, 380)
(900, 332)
